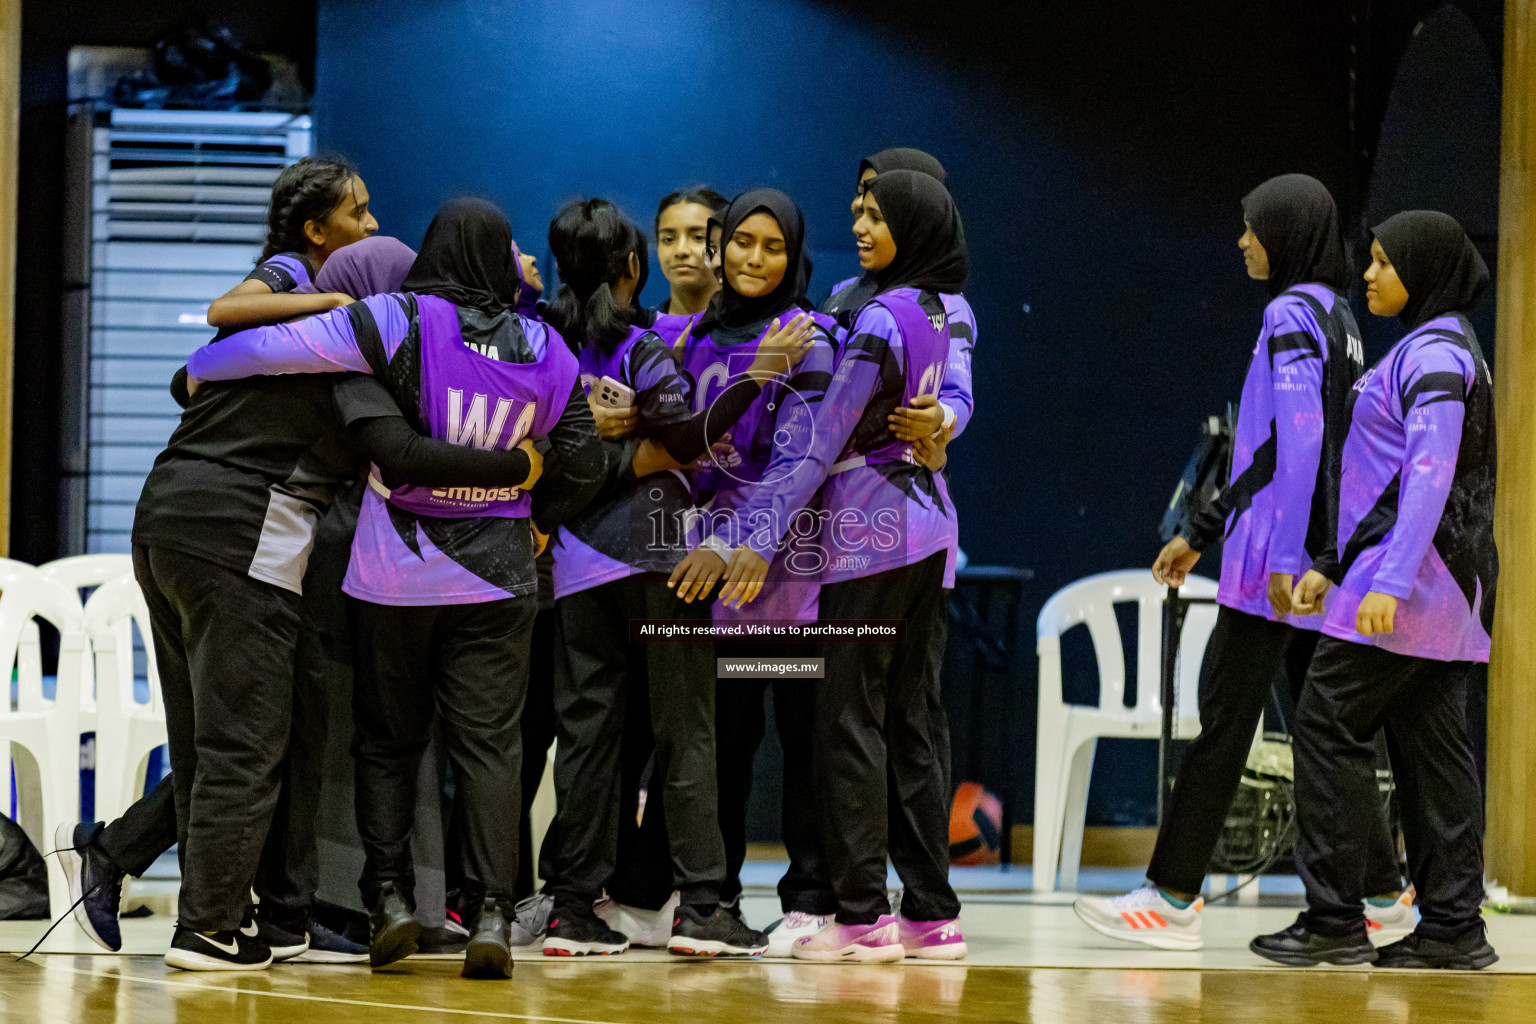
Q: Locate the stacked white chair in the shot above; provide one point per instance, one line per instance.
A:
(79, 573)
(42, 736)
(1068, 734)
(126, 730)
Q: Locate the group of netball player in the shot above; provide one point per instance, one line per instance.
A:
(500, 481)
(1358, 558)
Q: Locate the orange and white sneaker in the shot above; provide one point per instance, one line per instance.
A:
(1394, 921)
(1143, 916)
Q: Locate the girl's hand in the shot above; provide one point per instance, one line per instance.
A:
(680, 346)
(613, 423)
(931, 452)
(743, 577)
(1308, 597)
(783, 347)
(924, 418)
(337, 300)
(1174, 562)
(1375, 614)
(721, 453)
(696, 574)
(535, 464)
(1280, 593)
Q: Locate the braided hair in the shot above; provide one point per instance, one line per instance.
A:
(591, 240)
(309, 190)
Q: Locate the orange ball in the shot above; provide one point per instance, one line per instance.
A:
(975, 826)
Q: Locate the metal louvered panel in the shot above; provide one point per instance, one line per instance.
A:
(166, 212)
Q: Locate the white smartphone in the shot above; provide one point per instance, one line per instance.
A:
(613, 394)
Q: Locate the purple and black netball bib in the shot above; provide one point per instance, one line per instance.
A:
(421, 545)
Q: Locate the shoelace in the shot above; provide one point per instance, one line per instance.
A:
(68, 913)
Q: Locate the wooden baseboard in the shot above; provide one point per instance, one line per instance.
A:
(1103, 847)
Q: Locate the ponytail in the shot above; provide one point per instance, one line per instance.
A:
(592, 241)
(309, 190)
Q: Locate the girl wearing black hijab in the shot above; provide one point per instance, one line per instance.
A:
(882, 555)
(947, 415)
(1276, 516)
(441, 582)
(763, 278)
(1416, 571)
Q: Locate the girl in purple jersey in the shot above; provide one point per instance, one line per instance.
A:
(682, 239)
(760, 254)
(441, 579)
(1274, 520)
(1416, 569)
(881, 553)
(318, 206)
(611, 565)
(936, 420)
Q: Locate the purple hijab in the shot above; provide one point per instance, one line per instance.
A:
(372, 266)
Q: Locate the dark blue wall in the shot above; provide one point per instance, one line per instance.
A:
(1098, 152)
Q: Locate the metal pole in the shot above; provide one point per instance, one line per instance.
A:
(1174, 609)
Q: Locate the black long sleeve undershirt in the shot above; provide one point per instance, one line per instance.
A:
(573, 467)
(406, 457)
(688, 439)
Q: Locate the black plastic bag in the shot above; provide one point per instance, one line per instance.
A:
(23, 876)
(198, 69)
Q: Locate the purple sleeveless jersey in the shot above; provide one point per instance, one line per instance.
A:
(418, 546)
(639, 531)
(770, 440)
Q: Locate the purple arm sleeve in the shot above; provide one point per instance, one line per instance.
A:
(817, 424)
(1296, 379)
(318, 344)
(1433, 392)
(956, 390)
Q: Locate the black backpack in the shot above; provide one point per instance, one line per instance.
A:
(1204, 478)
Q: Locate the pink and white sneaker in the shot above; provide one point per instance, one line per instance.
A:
(933, 940)
(878, 943)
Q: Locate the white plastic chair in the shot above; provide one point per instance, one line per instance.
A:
(78, 573)
(42, 735)
(1069, 733)
(127, 730)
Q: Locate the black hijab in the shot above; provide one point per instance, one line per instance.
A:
(930, 240)
(1436, 261)
(467, 258)
(729, 308)
(1297, 223)
(905, 158)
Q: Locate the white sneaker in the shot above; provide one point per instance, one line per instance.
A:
(1388, 924)
(1143, 916)
(793, 926)
(647, 928)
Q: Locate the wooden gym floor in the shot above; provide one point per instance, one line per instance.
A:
(1031, 961)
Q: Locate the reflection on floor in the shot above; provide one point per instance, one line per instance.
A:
(1031, 960)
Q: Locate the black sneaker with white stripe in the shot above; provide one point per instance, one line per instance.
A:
(193, 950)
(718, 934)
(95, 883)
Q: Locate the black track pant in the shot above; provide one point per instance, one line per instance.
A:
(224, 644)
(465, 665)
(1242, 660)
(288, 873)
(599, 673)
(1352, 691)
(740, 721)
(875, 751)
